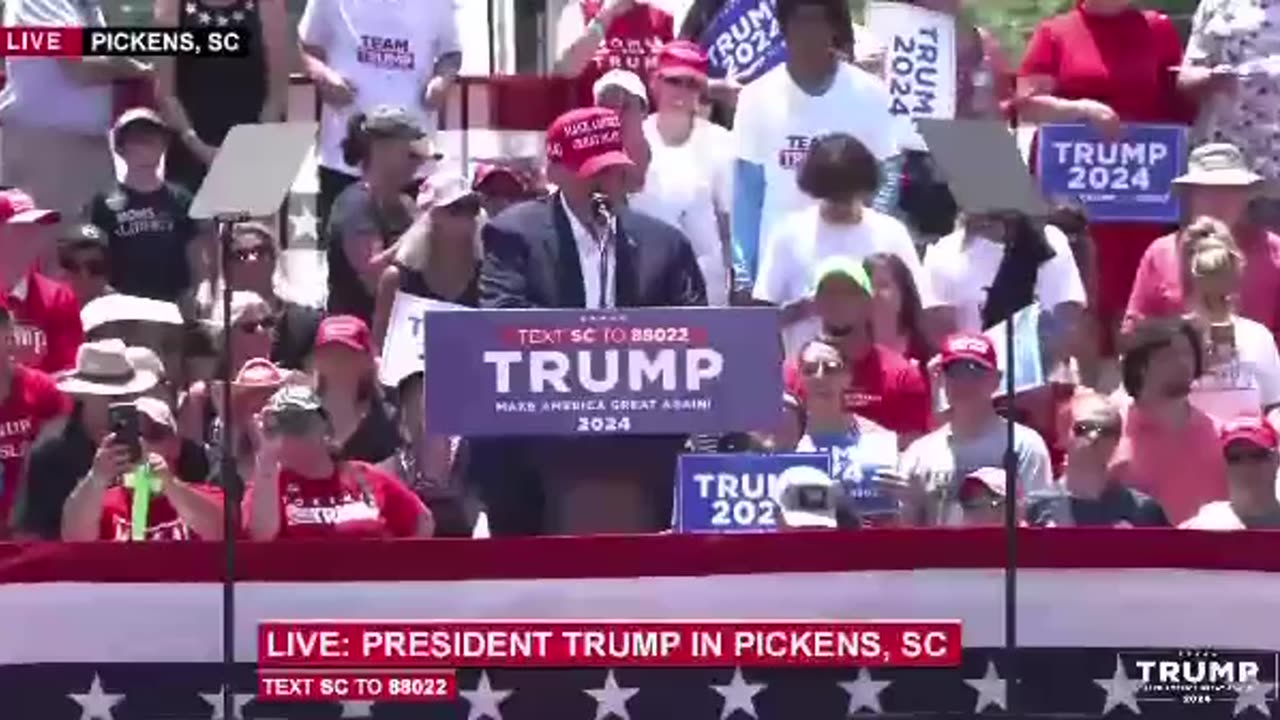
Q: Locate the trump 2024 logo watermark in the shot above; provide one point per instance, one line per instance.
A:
(1203, 677)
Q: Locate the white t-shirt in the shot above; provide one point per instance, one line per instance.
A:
(1246, 383)
(961, 273)
(776, 121)
(804, 239)
(387, 50)
(37, 91)
(685, 185)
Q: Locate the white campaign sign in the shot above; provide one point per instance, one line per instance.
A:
(403, 349)
(919, 65)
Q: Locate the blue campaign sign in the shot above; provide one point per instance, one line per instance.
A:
(733, 493)
(744, 40)
(1124, 180)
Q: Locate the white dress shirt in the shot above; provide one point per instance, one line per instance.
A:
(591, 253)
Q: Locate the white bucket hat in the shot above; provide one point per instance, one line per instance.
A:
(103, 369)
(1219, 165)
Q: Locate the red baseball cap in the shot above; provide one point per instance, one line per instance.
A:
(970, 347)
(682, 57)
(18, 208)
(1253, 430)
(493, 172)
(346, 330)
(587, 140)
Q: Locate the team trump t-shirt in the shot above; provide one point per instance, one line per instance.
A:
(357, 501)
(33, 401)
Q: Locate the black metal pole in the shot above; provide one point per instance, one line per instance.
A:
(490, 12)
(1010, 518)
(230, 481)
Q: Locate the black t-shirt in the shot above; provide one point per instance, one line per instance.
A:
(412, 282)
(1117, 505)
(355, 212)
(148, 234)
(58, 461)
(295, 335)
(375, 439)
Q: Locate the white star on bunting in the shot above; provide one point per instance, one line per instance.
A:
(204, 18)
(1253, 695)
(192, 9)
(222, 20)
(219, 712)
(1120, 690)
(304, 225)
(238, 16)
(864, 693)
(611, 699)
(357, 709)
(991, 689)
(484, 700)
(94, 703)
(739, 695)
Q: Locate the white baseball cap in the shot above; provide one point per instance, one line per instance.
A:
(623, 79)
(807, 498)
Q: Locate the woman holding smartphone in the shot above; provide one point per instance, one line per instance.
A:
(1242, 365)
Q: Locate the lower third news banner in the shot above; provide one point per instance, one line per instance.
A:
(416, 662)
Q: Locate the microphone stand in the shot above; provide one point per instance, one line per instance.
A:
(231, 486)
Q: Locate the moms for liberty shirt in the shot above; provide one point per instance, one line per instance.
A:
(148, 234)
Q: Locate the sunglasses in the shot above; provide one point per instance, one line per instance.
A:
(96, 268)
(253, 326)
(1249, 456)
(825, 367)
(964, 369)
(837, 331)
(1091, 428)
(251, 254)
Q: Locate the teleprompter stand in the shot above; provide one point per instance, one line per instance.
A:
(987, 176)
(250, 178)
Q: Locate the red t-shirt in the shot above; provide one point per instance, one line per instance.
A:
(630, 43)
(33, 401)
(343, 506)
(1122, 60)
(163, 522)
(885, 387)
(47, 330)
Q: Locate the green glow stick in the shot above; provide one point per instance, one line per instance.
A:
(144, 483)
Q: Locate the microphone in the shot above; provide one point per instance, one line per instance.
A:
(603, 211)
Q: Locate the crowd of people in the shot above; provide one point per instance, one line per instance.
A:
(798, 190)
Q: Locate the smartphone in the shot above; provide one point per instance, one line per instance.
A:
(123, 418)
(1222, 335)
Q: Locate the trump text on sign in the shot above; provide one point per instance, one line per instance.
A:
(565, 372)
(744, 40)
(1126, 179)
(735, 493)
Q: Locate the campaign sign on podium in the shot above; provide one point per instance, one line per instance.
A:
(1129, 179)
(734, 493)
(646, 371)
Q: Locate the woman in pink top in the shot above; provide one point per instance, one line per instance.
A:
(1170, 449)
(1218, 184)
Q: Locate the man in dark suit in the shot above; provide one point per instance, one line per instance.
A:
(581, 247)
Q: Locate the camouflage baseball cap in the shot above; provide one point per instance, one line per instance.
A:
(293, 399)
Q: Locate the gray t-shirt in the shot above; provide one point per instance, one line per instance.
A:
(936, 462)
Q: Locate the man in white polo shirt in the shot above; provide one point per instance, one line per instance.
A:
(364, 53)
(56, 111)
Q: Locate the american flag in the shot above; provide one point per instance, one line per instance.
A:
(132, 631)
